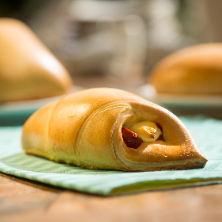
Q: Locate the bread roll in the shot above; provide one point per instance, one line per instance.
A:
(27, 69)
(95, 129)
(196, 70)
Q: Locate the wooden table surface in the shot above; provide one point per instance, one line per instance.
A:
(23, 200)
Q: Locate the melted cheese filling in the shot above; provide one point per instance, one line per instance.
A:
(147, 131)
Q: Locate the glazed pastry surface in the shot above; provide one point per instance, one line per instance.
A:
(86, 129)
(28, 70)
(196, 70)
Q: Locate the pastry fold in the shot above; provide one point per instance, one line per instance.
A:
(85, 129)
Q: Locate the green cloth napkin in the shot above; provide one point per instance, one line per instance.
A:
(207, 133)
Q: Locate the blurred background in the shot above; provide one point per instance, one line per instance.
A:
(116, 43)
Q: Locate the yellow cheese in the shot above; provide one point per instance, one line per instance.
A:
(147, 131)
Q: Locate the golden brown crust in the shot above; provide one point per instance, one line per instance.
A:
(27, 69)
(196, 70)
(85, 129)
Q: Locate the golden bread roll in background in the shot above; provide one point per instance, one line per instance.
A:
(28, 70)
(196, 70)
(104, 128)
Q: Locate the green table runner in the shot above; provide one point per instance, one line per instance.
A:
(207, 133)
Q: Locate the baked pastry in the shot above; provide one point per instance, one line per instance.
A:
(105, 128)
(28, 70)
(196, 70)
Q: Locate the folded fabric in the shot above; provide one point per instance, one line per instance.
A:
(205, 131)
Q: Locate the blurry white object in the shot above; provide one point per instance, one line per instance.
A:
(164, 29)
(99, 10)
(104, 37)
(148, 92)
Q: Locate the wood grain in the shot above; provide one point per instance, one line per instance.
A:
(26, 201)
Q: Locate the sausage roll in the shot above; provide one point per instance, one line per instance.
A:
(196, 70)
(105, 128)
(27, 69)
